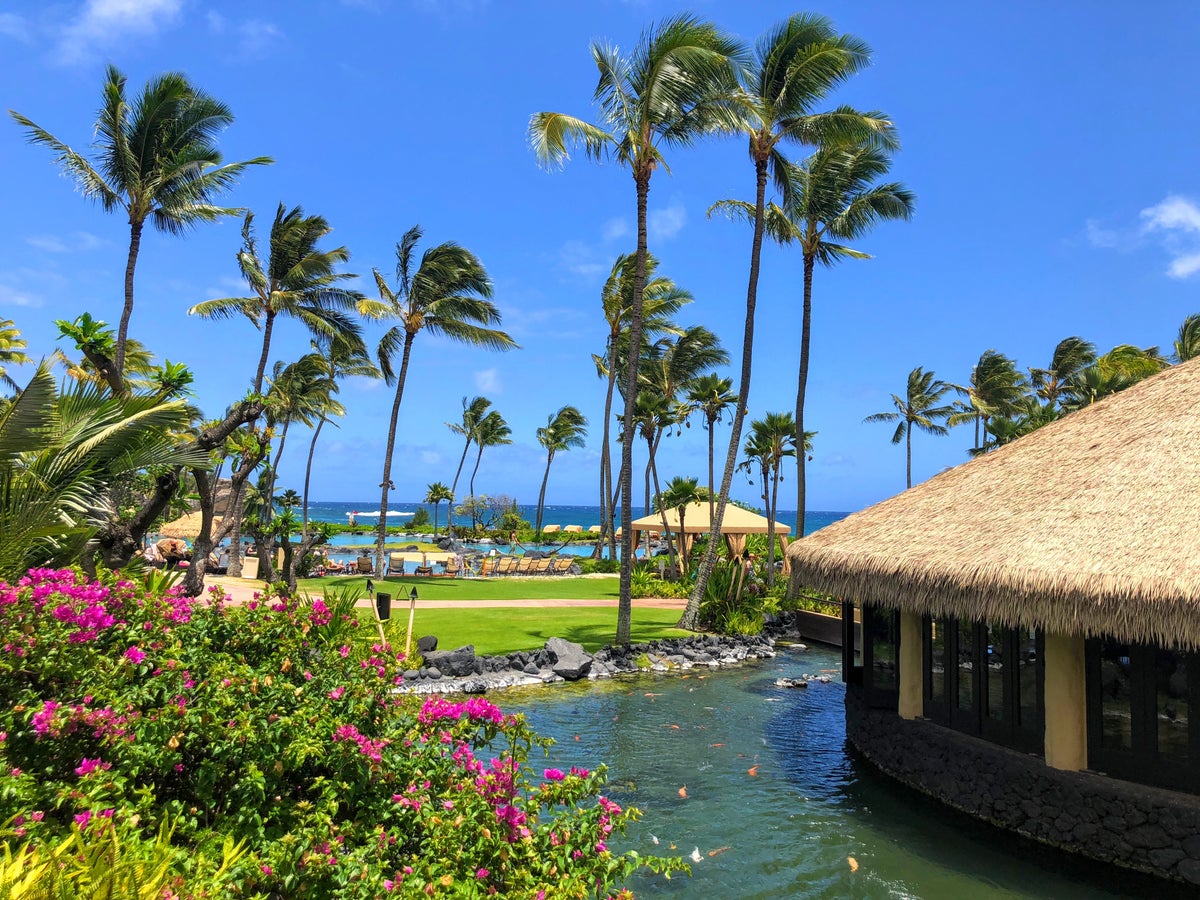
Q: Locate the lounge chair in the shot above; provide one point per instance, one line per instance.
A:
(542, 566)
(524, 565)
(489, 566)
(507, 565)
(423, 571)
(363, 566)
(395, 564)
(562, 565)
(453, 568)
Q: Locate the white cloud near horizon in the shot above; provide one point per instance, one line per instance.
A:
(1177, 220)
(105, 23)
(488, 381)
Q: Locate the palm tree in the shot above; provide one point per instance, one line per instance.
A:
(995, 389)
(298, 281)
(155, 160)
(436, 494)
(473, 412)
(449, 295)
(343, 356)
(1119, 368)
(676, 87)
(917, 409)
(300, 391)
(679, 494)
(711, 395)
(1187, 344)
(771, 441)
(11, 347)
(564, 429)
(492, 431)
(796, 65)
(661, 299)
(1070, 356)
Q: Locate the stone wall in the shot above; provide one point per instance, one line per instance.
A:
(1143, 828)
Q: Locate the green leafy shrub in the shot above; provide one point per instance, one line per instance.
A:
(419, 519)
(276, 725)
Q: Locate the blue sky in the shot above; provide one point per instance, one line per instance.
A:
(1051, 148)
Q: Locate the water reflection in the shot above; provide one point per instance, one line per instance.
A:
(758, 779)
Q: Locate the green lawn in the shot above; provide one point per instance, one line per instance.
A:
(505, 630)
(564, 588)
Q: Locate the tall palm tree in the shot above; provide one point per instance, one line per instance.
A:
(296, 280)
(711, 396)
(473, 412)
(448, 294)
(917, 409)
(771, 440)
(676, 87)
(436, 494)
(1187, 344)
(796, 64)
(1071, 355)
(492, 431)
(995, 389)
(156, 159)
(344, 356)
(661, 299)
(680, 493)
(11, 347)
(1119, 368)
(564, 429)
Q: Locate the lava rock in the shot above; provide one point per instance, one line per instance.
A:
(570, 660)
(531, 669)
(427, 644)
(455, 663)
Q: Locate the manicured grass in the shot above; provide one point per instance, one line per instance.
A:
(505, 630)
(562, 588)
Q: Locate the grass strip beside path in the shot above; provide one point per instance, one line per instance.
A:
(606, 587)
(505, 630)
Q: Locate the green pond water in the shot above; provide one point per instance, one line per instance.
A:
(790, 828)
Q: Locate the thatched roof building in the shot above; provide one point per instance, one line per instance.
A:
(1090, 525)
(696, 521)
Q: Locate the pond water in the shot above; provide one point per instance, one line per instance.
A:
(775, 805)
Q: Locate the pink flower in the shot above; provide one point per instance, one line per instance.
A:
(266, 870)
(135, 655)
(87, 766)
(554, 775)
(344, 651)
(83, 818)
(481, 873)
(336, 693)
(447, 804)
(388, 884)
(581, 773)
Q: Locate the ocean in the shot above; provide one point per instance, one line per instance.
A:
(551, 515)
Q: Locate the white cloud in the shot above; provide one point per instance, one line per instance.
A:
(614, 229)
(76, 242)
(1099, 236)
(13, 26)
(1177, 220)
(488, 381)
(580, 259)
(664, 224)
(431, 457)
(107, 23)
(10, 296)
(252, 37)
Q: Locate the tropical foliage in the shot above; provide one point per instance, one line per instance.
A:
(564, 429)
(918, 408)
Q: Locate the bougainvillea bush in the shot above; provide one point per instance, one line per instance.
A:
(278, 726)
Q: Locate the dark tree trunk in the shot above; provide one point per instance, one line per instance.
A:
(908, 453)
(193, 581)
(454, 487)
(802, 390)
(625, 601)
(117, 378)
(474, 508)
(542, 495)
(268, 327)
(268, 508)
(386, 485)
(119, 541)
(690, 615)
(312, 446)
(711, 499)
(772, 505)
(606, 511)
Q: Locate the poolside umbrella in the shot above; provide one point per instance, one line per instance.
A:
(573, 529)
(595, 529)
(186, 526)
(552, 529)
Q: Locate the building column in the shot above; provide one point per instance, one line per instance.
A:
(912, 666)
(1066, 703)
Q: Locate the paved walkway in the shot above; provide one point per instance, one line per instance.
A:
(242, 590)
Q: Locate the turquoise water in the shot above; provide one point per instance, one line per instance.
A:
(789, 829)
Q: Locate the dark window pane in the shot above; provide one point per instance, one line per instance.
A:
(858, 635)
(993, 695)
(883, 649)
(966, 666)
(1116, 694)
(1027, 680)
(1171, 704)
(937, 661)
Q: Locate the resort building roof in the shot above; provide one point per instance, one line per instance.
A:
(696, 521)
(1089, 526)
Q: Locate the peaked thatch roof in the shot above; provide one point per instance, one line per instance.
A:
(1090, 525)
(696, 521)
(186, 526)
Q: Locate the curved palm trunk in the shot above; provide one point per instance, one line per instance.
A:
(454, 486)
(478, 459)
(606, 516)
(542, 495)
(801, 390)
(193, 581)
(268, 328)
(381, 535)
(435, 518)
(625, 602)
(116, 379)
(772, 506)
(711, 498)
(672, 555)
(312, 446)
(689, 618)
(268, 509)
(908, 453)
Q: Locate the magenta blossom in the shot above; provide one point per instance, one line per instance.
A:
(135, 655)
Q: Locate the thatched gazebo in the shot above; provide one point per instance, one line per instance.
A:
(1046, 597)
(735, 525)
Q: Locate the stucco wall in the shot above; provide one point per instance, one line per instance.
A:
(1142, 828)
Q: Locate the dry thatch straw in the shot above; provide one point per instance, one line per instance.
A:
(696, 521)
(186, 526)
(1088, 526)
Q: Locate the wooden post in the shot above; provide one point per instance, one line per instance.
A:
(412, 610)
(912, 666)
(1066, 703)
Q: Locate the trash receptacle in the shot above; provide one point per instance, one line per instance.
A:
(383, 606)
